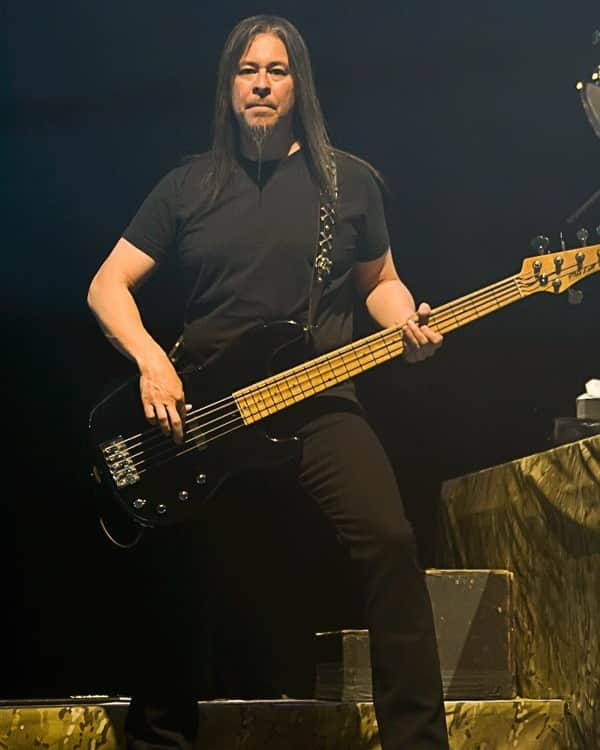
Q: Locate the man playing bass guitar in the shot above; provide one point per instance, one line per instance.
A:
(242, 220)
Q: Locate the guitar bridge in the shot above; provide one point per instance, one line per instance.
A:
(119, 462)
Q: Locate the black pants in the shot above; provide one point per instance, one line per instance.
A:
(346, 472)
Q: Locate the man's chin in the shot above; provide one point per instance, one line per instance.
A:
(260, 129)
(260, 118)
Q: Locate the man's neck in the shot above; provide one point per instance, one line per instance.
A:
(274, 147)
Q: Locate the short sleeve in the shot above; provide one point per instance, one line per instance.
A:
(373, 239)
(153, 227)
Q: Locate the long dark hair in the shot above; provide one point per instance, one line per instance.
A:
(308, 122)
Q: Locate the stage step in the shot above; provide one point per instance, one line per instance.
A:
(473, 617)
(284, 725)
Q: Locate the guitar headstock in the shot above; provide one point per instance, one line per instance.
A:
(556, 272)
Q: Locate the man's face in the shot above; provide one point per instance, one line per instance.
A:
(263, 88)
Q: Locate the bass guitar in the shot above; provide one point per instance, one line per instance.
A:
(156, 482)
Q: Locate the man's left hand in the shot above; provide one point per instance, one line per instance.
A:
(420, 341)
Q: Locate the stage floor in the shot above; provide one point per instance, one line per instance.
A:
(96, 723)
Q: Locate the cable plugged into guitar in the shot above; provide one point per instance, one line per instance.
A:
(116, 526)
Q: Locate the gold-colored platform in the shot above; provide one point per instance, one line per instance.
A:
(539, 516)
(286, 725)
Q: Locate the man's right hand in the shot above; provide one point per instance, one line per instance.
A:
(163, 397)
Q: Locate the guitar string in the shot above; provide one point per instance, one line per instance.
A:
(194, 415)
(227, 402)
(438, 322)
(170, 450)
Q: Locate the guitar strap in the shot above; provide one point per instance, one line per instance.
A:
(322, 262)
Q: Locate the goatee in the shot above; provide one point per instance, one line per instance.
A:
(259, 134)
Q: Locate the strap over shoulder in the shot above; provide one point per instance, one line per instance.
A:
(322, 262)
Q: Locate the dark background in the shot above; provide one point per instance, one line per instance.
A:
(470, 111)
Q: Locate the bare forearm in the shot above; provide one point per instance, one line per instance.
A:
(119, 318)
(390, 303)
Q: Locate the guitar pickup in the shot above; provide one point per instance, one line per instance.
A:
(119, 462)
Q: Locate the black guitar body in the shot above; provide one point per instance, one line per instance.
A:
(156, 482)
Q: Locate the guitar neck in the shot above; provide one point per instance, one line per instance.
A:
(289, 387)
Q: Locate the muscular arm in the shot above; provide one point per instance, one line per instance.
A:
(110, 298)
(390, 303)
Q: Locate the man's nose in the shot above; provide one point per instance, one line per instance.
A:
(261, 87)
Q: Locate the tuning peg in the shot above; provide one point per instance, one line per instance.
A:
(575, 296)
(582, 235)
(563, 244)
(540, 243)
(598, 230)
